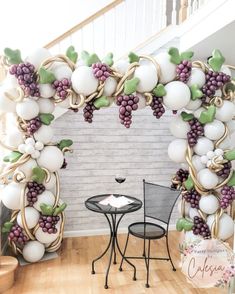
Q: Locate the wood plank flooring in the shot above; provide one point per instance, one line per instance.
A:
(70, 273)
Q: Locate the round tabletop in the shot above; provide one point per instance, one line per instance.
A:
(93, 203)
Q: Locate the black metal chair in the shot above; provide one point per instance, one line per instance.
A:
(159, 202)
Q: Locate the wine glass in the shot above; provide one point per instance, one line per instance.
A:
(120, 177)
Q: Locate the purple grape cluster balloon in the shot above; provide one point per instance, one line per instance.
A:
(225, 171)
(193, 198)
(33, 125)
(183, 70)
(101, 71)
(62, 88)
(127, 103)
(228, 195)
(201, 228)
(17, 235)
(180, 176)
(34, 189)
(157, 107)
(48, 223)
(88, 111)
(214, 81)
(196, 131)
(26, 77)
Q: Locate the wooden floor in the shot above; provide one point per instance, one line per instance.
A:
(70, 273)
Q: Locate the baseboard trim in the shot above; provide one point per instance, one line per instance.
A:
(97, 232)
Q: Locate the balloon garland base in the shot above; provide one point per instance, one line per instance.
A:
(8, 266)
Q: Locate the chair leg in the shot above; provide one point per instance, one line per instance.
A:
(168, 251)
(144, 249)
(127, 239)
(147, 264)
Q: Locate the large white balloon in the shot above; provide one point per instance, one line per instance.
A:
(194, 104)
(196, 161)
(46, 197)
(226, 226)
(177, 95)
(6, 104)
(46, 90)
(177, 150)
(207, 178)
(197, 77)
(27, 109)
(214, 130)
(179, 128)
(51, 158)
(45, 105)
(226, 112)
(26, 168)
(33, 251)
(84, 81)
(31, 217)
(14, 138)
(203, 146)
(62, 71)
(109, 86)
(38, 56)
(209, 204)
(44, 134)
(168, 69)
(147, 76)
(11, 195)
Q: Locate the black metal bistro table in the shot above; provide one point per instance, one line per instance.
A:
(113, 216)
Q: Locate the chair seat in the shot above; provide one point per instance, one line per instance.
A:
(146, 230)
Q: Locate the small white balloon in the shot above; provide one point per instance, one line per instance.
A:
(209, 204)
(33, 251)
(84, 81)
(109, 86)
(11, 195)
(14, 138)
(39, 145)
(147, 76)
(177, 95)
(46, 197)
(203, 146)
(31, 217)
(177, 150)
(21, 148)
(197, 77)
(121, 66)
(30, 141)
(35, 154)
(62, 71)
(51, 158)
(179, 128)
(46, 90)
(226, 226)
(45, 105)
(44, 237)
(194, 104)
(193, 212)
(38, 56)
(207, 178)
(29, 149)
(210, 154)
(197, 163)
(219, 152)
(204, 159)
(27, 109)
(226, 112)
(51, 183)
(44, 134)
(27, 168)
(168, 69)
(214, 130)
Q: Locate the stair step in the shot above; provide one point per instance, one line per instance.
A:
(8, 265)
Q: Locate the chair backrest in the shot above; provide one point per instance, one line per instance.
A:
(159, 201)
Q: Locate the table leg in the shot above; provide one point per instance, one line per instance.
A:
(107, 248)
(114, 248)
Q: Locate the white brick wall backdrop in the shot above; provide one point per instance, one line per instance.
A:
(104, 148)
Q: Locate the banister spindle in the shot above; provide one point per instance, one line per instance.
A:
(173, 13)
(183, 12)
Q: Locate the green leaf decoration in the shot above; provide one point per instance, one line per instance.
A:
(93, 58)
(65, 143)
(72, 54)
(59, 209)
(186, 116)
(38, 175)
(187, 55)
(159, 91)
(46, 209)
(12, 157)
(131, 85)
(208, 115)
(179, 224)
(174, 55)
(189, 183)
(187, 225)
(84, 55)
(133, 57)
(108, 59)
(231, 182)
(7, 227)
(230, 155)
(195, 92)
(46, 76)
(103, 101)
(13, 56)
(216, 60)
(46, 118)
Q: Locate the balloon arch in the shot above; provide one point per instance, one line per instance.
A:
(203, 93)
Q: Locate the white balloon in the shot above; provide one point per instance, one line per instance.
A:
(193, 212)
(21, 148)
(30, 141)
(121, 66)
(33, 251)
(45, 105)
(209, 204)
(168, 69)
(203, 146)
(62, 71)
(197, 77)
(46, 197)
(179, 128)
(46, 90)
(45, 237)
(231, 126)
(44, 134)
(196, 161)
(14, 138)
(109, 86)
(226, 226)
(35, 154)
(177, 150)
(31, 217)
(6, 104)
(214, 130)
(84, 81)
(11, 195)
(147, 76)
(207, 178)
(29, 149)
(194, 105)
(51, 158)
(186, 207)
(177, 95)
(51, 183)
(27, 109)
(142, 101)
(39, 145)
(38, 56)
(27, 168)
(226, 112)
(198, 112)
